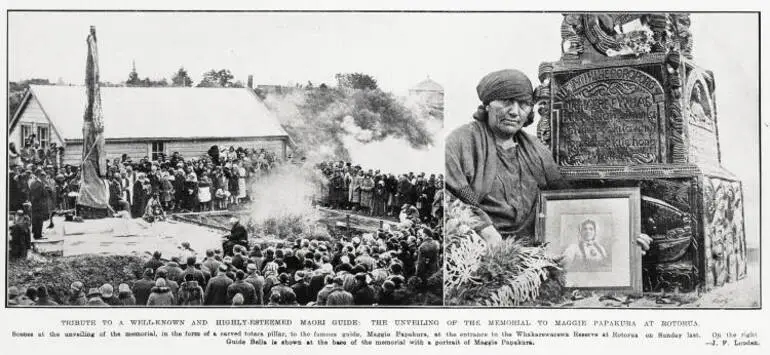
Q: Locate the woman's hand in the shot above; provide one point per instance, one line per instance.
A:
(644, 241)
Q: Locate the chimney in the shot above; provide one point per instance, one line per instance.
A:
(250, 82)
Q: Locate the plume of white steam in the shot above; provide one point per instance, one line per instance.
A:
(323, 135)
(286, 192)
(397, 156)
(360, 134)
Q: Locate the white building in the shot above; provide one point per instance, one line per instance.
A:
(146, 121)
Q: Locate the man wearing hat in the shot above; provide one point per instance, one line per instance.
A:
(216, 290)
(143, 287)
(172, 269)
(240, 286)
(239, 257)
(210, 262)
(339, 296)
(496, 168)
(364, 294)
(283, 288)
(256, 280)
(301, 288)
(190, 269)
(428, 254)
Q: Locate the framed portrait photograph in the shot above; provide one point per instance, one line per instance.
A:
(595, 232)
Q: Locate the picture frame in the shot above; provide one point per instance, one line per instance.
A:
(595, 230)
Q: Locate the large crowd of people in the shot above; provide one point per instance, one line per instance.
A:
(382, 194)
(395, 266)
(398, 264)
(40, 184)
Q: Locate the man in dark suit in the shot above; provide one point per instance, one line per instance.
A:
(39, 197)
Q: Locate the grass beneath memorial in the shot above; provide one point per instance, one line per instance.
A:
(58, 273)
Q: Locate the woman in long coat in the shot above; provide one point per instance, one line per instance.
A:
(367, 185)
(241, 180)
(140, 196)
(355, 190)
(166, 191)
(191, 191)
(380, 199)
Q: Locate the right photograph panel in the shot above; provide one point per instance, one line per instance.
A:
(605, 160)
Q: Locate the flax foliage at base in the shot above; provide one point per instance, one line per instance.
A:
(508, 274)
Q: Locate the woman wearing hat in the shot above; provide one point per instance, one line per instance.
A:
(496, 168)
(160, 295)
(167, 190)
(190, 292)
(354, 195)
(140, 195)
(108, 295)
(241, 180)
(125, 296)
(190, 190)
(204, 191)
(367, 187)
(95, 298)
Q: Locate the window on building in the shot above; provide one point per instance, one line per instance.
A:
(157, 149)
(43, 135)
(26, 131)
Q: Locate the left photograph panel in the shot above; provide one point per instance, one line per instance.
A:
(217, 159)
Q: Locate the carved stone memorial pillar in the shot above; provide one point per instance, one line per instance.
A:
(626, 106)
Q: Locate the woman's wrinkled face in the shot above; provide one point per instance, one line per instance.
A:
(507, 117)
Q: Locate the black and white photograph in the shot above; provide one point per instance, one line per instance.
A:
(589, 250)
(664, 103)
(594, 232)
(164, 159)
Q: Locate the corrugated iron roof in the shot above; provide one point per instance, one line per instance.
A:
(174, 112)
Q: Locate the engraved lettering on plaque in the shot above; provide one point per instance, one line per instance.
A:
(609, 116)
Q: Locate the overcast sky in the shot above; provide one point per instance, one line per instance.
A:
(398, 49)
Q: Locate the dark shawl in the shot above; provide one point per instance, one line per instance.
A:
(471, 164)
